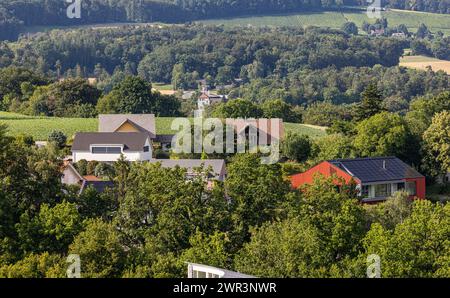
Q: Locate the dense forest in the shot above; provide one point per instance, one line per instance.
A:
(298, 66)
(18, 13)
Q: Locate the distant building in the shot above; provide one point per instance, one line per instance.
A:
(376, 178)
(377, 32)
(203, 271)
(399, 35)
(206, 98)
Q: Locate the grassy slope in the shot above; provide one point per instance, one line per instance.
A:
(435, 22)
(41, 127)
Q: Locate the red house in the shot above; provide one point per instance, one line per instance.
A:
(376, 178)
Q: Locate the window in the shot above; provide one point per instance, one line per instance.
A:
(147, 149)
(202, 274)
(400, 186)
(382, 190)
(411, 188)
(106, 150)
(365, 191)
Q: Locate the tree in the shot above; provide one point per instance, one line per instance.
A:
(133, 96)
(256, 191)
(282, 249)
(238, 108)
(68, 98)
(384, 134)
(58, 138)
(52, 229)
(350, 28)
(100, 250)
(280, 109)
(371, 103)
(43, 265)
(417, 247)
(334, 146)
(395, 210)
(423, 32)
(209, 249)
(436, 145)
(297, 147)
(423, 109)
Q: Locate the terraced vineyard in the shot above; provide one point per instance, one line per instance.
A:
(435, 22)
(41, 127)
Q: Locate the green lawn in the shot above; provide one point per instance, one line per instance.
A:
(162, 86)
(41, 127)
(435, 22)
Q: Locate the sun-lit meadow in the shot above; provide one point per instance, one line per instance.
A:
(423, 62)
(41, 127)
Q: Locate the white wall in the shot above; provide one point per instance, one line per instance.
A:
(130, 156)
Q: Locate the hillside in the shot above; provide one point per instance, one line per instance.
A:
(41, 127)
(334, 19)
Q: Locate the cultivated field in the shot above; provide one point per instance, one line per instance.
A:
(435, 22)
(422, 62)
(41, 127)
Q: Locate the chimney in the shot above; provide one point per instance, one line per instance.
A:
(384, 164)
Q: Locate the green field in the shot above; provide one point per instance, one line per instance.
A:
(435, 22)
(41, 127)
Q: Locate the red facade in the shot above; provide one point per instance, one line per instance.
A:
(328, 170)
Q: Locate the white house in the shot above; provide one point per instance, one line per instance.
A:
(108, 146)
(207, 99)
(203, 271)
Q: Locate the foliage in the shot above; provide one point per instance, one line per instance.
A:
(384, 134)
(297, 147)
(436, 146)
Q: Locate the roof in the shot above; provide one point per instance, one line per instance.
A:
(99, 186)
(69, 166)
(223, 273)
(217, 165)
(143, 122)
(273, 128)
(132, 141)
(91, 178)
(377, 169)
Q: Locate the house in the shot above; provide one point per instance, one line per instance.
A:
(376, 178)
(109, 146)
(272, 129)
(98, 184)
(217, 166)
(399, 35)
(203, 271)
(127, 134)
(206, 99)
(70, 175)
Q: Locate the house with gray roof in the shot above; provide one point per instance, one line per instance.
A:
(109, 146)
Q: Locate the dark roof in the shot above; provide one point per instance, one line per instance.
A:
(99, 186)
(372, 169)
(132, 141)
